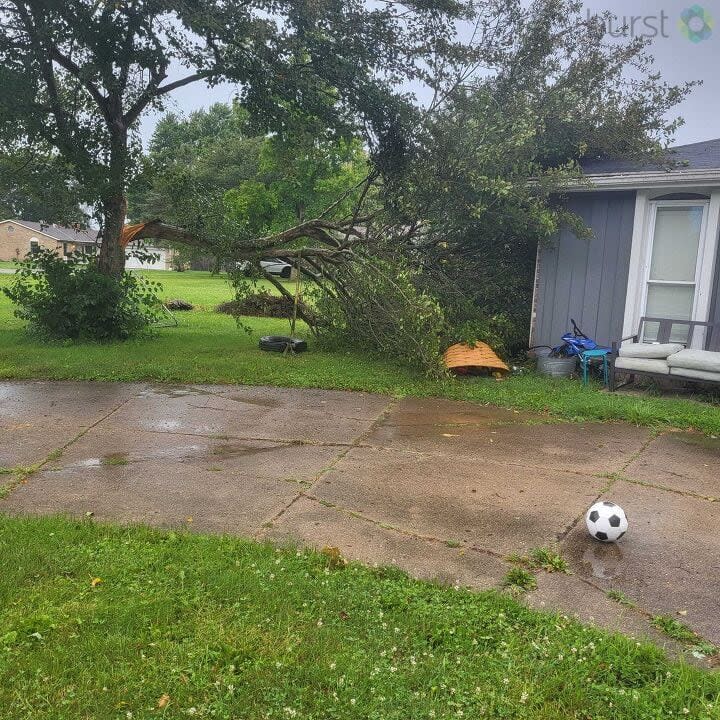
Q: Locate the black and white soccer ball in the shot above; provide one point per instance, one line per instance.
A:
(606, 521)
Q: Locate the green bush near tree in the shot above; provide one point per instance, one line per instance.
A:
(69, 299)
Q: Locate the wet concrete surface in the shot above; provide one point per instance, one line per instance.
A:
(485, 503)
(445, 490)
(688, 462)
(669, 561)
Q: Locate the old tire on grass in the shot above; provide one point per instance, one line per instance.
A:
(281, 343)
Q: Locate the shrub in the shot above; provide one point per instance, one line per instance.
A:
(72, 300)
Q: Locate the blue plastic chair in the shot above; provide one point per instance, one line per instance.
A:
(586, 357)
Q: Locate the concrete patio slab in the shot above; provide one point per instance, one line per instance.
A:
(37, 418)
(593, 448)
(444, 490)
(486, 504)
(669, 561)
(309, 523)
(688, 462)
(161, 494)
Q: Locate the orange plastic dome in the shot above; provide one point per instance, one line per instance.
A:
(463, 358)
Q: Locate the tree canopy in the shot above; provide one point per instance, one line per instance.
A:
(40, 188)
(78, 75)
(438, 242)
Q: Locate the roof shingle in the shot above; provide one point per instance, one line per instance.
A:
(60, 233)
(697, 156)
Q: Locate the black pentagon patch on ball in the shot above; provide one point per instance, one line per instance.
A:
(607, 503)
(594, 515)
(601, 535)
(614, 521)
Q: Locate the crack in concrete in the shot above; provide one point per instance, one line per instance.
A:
(663, 488)
(245, 438)
(340, 456)
(655, 434)
(55, 454)
(403, 531)
(612, 478)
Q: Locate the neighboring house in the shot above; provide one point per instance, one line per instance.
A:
(654, 250)
(19, 237)
(163, 258)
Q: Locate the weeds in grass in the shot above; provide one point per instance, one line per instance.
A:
(335, 560)
(549, 561)
(674, 629)
(620, 597)
(17, 475)
(542, 559)
(518, 580)
(115, 459)
(681, 633)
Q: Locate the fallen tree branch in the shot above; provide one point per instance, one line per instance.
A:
(270, 245)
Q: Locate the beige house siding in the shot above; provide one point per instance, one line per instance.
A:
(15, 241)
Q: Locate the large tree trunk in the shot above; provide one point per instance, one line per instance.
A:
(112, 253)
(114, 204)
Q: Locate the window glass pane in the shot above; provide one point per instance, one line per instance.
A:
(669, 301)
(678, 333)
(675, 243)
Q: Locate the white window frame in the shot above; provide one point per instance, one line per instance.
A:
(641, 254)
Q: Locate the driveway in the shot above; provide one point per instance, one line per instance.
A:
(445, 490)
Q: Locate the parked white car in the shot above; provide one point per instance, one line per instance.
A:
(274, 266)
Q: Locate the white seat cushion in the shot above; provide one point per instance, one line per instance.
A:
(650, 350)
(704, 360)
(653, 365)
(695, 374)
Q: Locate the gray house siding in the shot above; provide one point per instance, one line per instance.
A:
(713, 342)
(586, 279)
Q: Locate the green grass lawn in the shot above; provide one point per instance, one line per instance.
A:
(210, 348)
(110, 623)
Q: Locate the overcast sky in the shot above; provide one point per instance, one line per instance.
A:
(677, 58)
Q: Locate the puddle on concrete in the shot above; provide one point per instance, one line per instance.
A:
(90, 462)
(711, 443)
(175, 453)
(173, 391)
(262, 402)
(161, 425)
(602, 561)
(230, 450)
